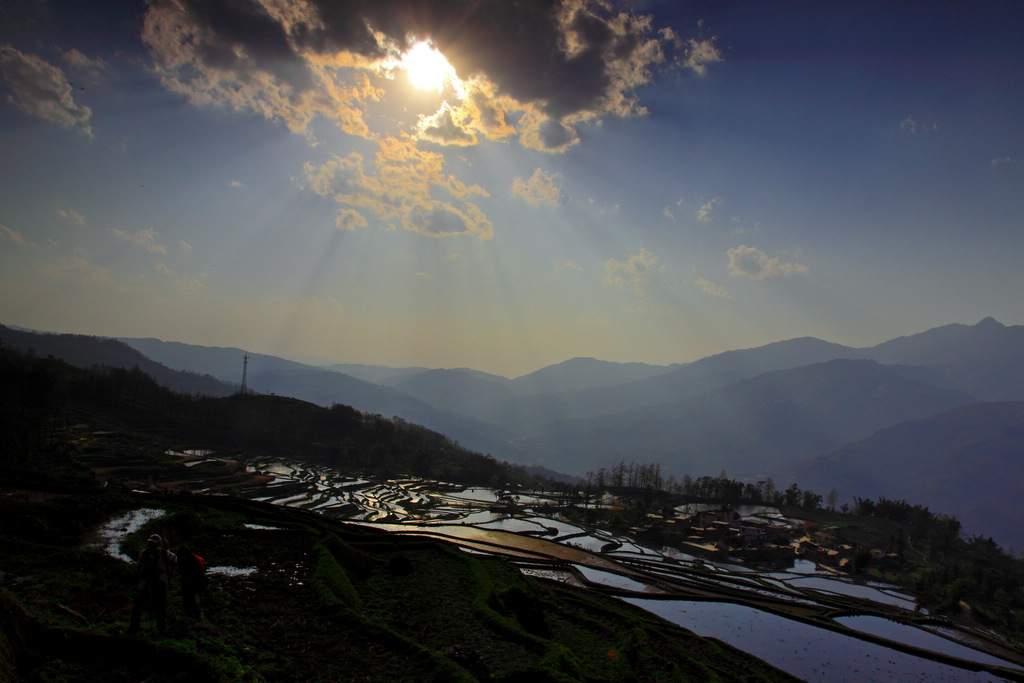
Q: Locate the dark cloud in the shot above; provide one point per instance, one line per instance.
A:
(238, 35)
(554, 135)
(560, 56)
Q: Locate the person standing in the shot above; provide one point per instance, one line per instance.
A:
(193, 580)
(155, 566)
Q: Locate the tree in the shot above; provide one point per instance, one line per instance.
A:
(792, 495)
(861, 560)
(810, 500)
(508, 499)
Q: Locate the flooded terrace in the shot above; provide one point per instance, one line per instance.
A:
(812, 602)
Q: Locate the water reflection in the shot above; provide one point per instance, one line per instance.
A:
(545, 545)
(225, 570)
(904, 633)
(853, 590)
(802, 650)
(612, 580)
(115, 531)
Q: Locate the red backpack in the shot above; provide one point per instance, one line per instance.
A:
(202, 579)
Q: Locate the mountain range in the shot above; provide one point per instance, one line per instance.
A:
(965, 462)
(797, 410)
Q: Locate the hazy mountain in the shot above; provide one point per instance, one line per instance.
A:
(516, 404)
(455, 390)
(578, 374)
(379, 374)
(663, 384)
(985, 360)
(699, 417)
(324, 387)
(748, 426)
(967, 462)
(86, 351)
(944, 358)
(895, 419)
(223, 363)
(274, 375)
(952, 344)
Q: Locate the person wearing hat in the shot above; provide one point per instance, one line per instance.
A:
(155, 566)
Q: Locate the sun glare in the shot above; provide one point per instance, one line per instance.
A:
(427, 68)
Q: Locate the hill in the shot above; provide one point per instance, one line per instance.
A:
(274, 375)
(86, 351)
(323, 387)
(577, 374)
(967, 462)
(749, 426)
(453, 390)
(296, 596)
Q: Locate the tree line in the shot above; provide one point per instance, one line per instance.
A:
(648, 477)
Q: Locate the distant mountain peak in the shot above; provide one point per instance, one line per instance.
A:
(989, 323)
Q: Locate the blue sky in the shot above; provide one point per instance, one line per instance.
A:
(646, 181)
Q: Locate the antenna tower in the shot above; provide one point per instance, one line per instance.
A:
(245, 369)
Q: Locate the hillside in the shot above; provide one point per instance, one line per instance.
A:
(699, 417)
(750, 426)
(318, 600)
(954, 343)
(967, 462)
(85, 351)
(294, 596)
(453, 390)
(647, 386)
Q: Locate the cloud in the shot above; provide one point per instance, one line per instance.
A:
(750, 262)
(700, 53)
(71, 216)
(185, 246)
(909, 126)
(144, 238)
(711, 288)
(78, 271)
(13, 236)
(567, 265)
(237, 184)
(185, 283)
(566, 63)
(349, 219)
(539, 189)
(189, 285)
(1006, 162)
(42, 90)
(704, 212)
(403, 193)
(78, 60)
(442, 128)
(632, 273)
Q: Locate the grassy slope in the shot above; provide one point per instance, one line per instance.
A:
(329, 601)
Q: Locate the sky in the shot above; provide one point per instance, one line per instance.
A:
(507, 185)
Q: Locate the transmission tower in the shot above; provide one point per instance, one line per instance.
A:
(245, 369)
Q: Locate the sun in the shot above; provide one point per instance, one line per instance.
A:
(427, 68)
